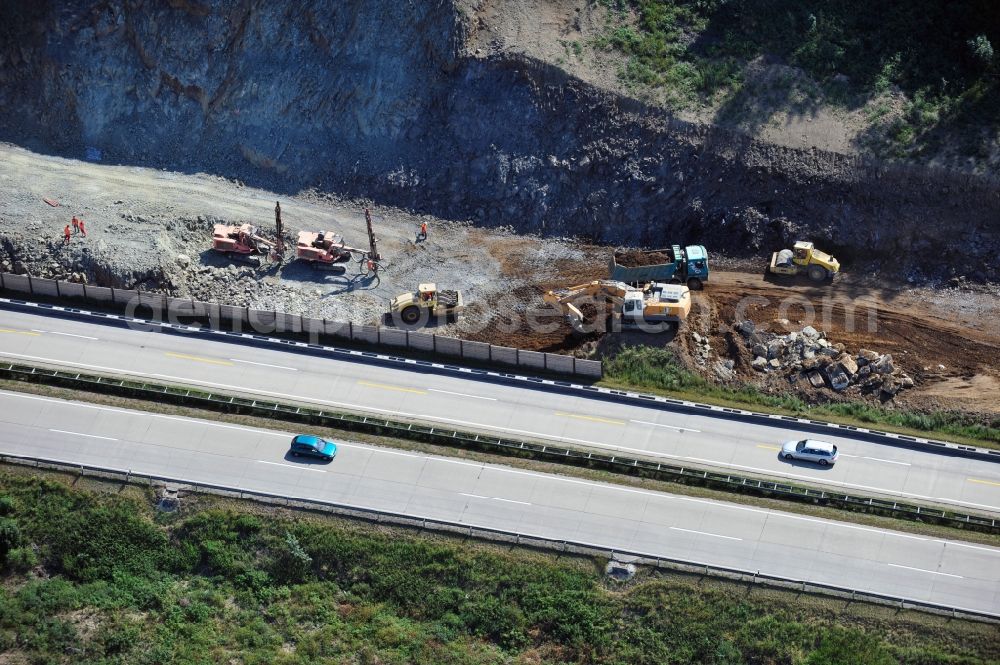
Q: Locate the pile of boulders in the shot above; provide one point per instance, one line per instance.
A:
(809, 355)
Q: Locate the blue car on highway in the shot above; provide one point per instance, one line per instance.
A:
(307, 445)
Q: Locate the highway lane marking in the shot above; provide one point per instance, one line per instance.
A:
(887, 461)
(386, 386)
(768, 447)
(449, 392)
(291, 466)
(18, 332)
(185, 356)
(971, 547)
(596, 419)
(679, 429)
(250, 362)
(494, 498)
(145, 414)
(541, 476)
(703, 533)
(89, 436)
(922, 570)
(53, 332)
(814, 478)
(983, 482)
(503, 429)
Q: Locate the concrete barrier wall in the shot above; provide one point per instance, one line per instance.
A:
(339, 328)
(157, 301)
(421, 341)
(123, 296)
(503, 354)
(44, 287)
(476, 350)
(260, 322)
(448, 346)
(555, 362)
(532, 359)
(591, 368)
(264, 322)
(367, 334)
(70, 290)
(233, 313)
(312, 326)
(97, 293)
(392, 336)
(286, 322)
(19, 283)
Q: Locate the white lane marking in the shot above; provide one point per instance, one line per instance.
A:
(846, 455)
(703, 533)
(544, 477)
(291, 466)
(971, 547)
(144, 414)
(812, 478)
(922, 570)
(53, 332)
(519, 431)
(969, 503)
(679, 429)
(89, 436)
(494, 498)
(250, 362)
(449, 392)
(888, 461)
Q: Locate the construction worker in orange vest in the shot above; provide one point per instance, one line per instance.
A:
(76, 225)
(82, 229)
(423, 231)
(66, 235)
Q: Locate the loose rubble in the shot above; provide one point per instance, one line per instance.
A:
(808, 354)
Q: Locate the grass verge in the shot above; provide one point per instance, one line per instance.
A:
(92, 574)
(657, 370)
(813, 510)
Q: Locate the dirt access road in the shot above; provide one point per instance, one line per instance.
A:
(152, 229)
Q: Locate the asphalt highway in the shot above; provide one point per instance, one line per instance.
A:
(466, 403)
(950, 573)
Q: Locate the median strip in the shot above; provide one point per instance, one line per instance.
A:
(499, 445)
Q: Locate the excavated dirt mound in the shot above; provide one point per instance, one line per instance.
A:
(636, 258)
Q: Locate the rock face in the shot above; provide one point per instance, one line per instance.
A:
(317, 97)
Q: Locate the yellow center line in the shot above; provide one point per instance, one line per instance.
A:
(19, 332)
(203, 360)
(384, 386)
(592, 418)
(768, 447)
(984, 482)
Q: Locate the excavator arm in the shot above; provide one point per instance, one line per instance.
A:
(568, 299)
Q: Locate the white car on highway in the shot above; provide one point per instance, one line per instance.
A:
(810, 450)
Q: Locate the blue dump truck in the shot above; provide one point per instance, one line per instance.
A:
(679, 266)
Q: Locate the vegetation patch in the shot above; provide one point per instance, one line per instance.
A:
(100, 578)
(658, 370)
(940, 57)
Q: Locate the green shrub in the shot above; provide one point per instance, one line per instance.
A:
(10, 537)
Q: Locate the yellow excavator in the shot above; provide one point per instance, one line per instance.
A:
(804, 258)
(653, 304)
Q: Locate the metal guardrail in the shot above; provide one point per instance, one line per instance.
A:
(533, 382)
(511, 447)
(447, 527)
